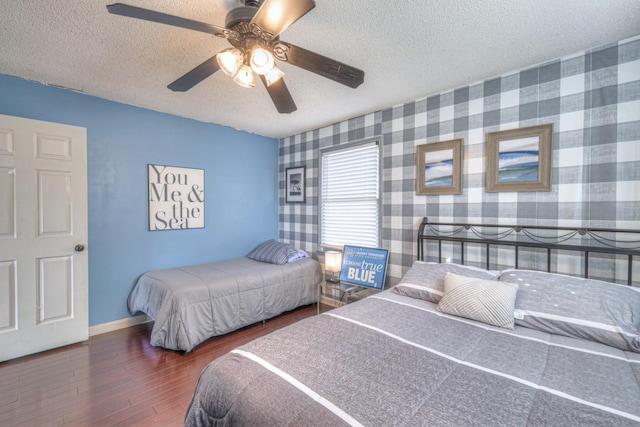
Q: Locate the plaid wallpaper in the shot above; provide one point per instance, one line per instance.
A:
(593, 100)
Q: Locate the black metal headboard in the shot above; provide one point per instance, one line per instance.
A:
(582, 240)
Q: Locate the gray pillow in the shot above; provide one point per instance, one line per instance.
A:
(425, 280)
(581, 308)
(272, 252)
(487, 301)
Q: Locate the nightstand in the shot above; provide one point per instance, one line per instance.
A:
(337, 294)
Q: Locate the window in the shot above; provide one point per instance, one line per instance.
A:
(349, 198)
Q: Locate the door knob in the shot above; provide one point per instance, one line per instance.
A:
(79, 248)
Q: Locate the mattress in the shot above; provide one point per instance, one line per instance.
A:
(193, 303)
(392, 359)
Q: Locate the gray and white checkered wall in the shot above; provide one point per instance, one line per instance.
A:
(593, 100)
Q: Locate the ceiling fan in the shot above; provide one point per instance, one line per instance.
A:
(253, 31)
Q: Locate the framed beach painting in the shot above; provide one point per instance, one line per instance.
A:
(439, 168)
(519, 159)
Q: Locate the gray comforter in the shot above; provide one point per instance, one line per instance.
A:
(193, 303)
(394, 360)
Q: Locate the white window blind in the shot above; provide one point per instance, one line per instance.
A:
(349, 213)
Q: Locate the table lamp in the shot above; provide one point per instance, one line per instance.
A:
(333, 263)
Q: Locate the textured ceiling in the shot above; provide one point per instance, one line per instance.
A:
(408, 50)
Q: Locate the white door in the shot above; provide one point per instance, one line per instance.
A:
(43, 232)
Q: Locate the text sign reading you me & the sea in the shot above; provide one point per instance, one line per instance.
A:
(364, 266)
(176, 198)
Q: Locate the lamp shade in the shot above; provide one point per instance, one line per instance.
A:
(273, 76)
(261, 61)
(244, 76)
(230, 60)
(332, 261)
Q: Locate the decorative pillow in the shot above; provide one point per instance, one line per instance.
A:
(299, 254)
(581, 308)
(425, 280)
(272, 252)
(487, 301)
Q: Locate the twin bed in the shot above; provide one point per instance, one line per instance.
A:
(438, 349)
(194, 303)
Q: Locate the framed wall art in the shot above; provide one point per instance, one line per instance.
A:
(295, 184)
(176, 197)
(439, 168)
(519, 159)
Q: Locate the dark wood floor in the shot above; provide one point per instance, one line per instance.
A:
(115, 379)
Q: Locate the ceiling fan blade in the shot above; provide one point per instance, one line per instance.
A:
(280, 96)
(275, 16)
(196, 75)
(163, 18)
(326, 67)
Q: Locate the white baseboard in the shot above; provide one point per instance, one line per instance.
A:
(103, 328)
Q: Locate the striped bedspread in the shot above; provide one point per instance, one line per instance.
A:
(394, 360)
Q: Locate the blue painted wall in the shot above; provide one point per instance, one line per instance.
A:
(241, 183)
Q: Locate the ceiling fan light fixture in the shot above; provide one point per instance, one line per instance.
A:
(244, 77)
(253, 30)
(230, 60)
(273, 76)
(261, 61)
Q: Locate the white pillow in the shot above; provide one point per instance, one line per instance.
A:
(486, 301)
(299, 254)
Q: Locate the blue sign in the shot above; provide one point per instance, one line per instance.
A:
(364, 266)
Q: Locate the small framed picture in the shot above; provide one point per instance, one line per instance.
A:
(295, 184)
(519, 159)
(439, 168)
